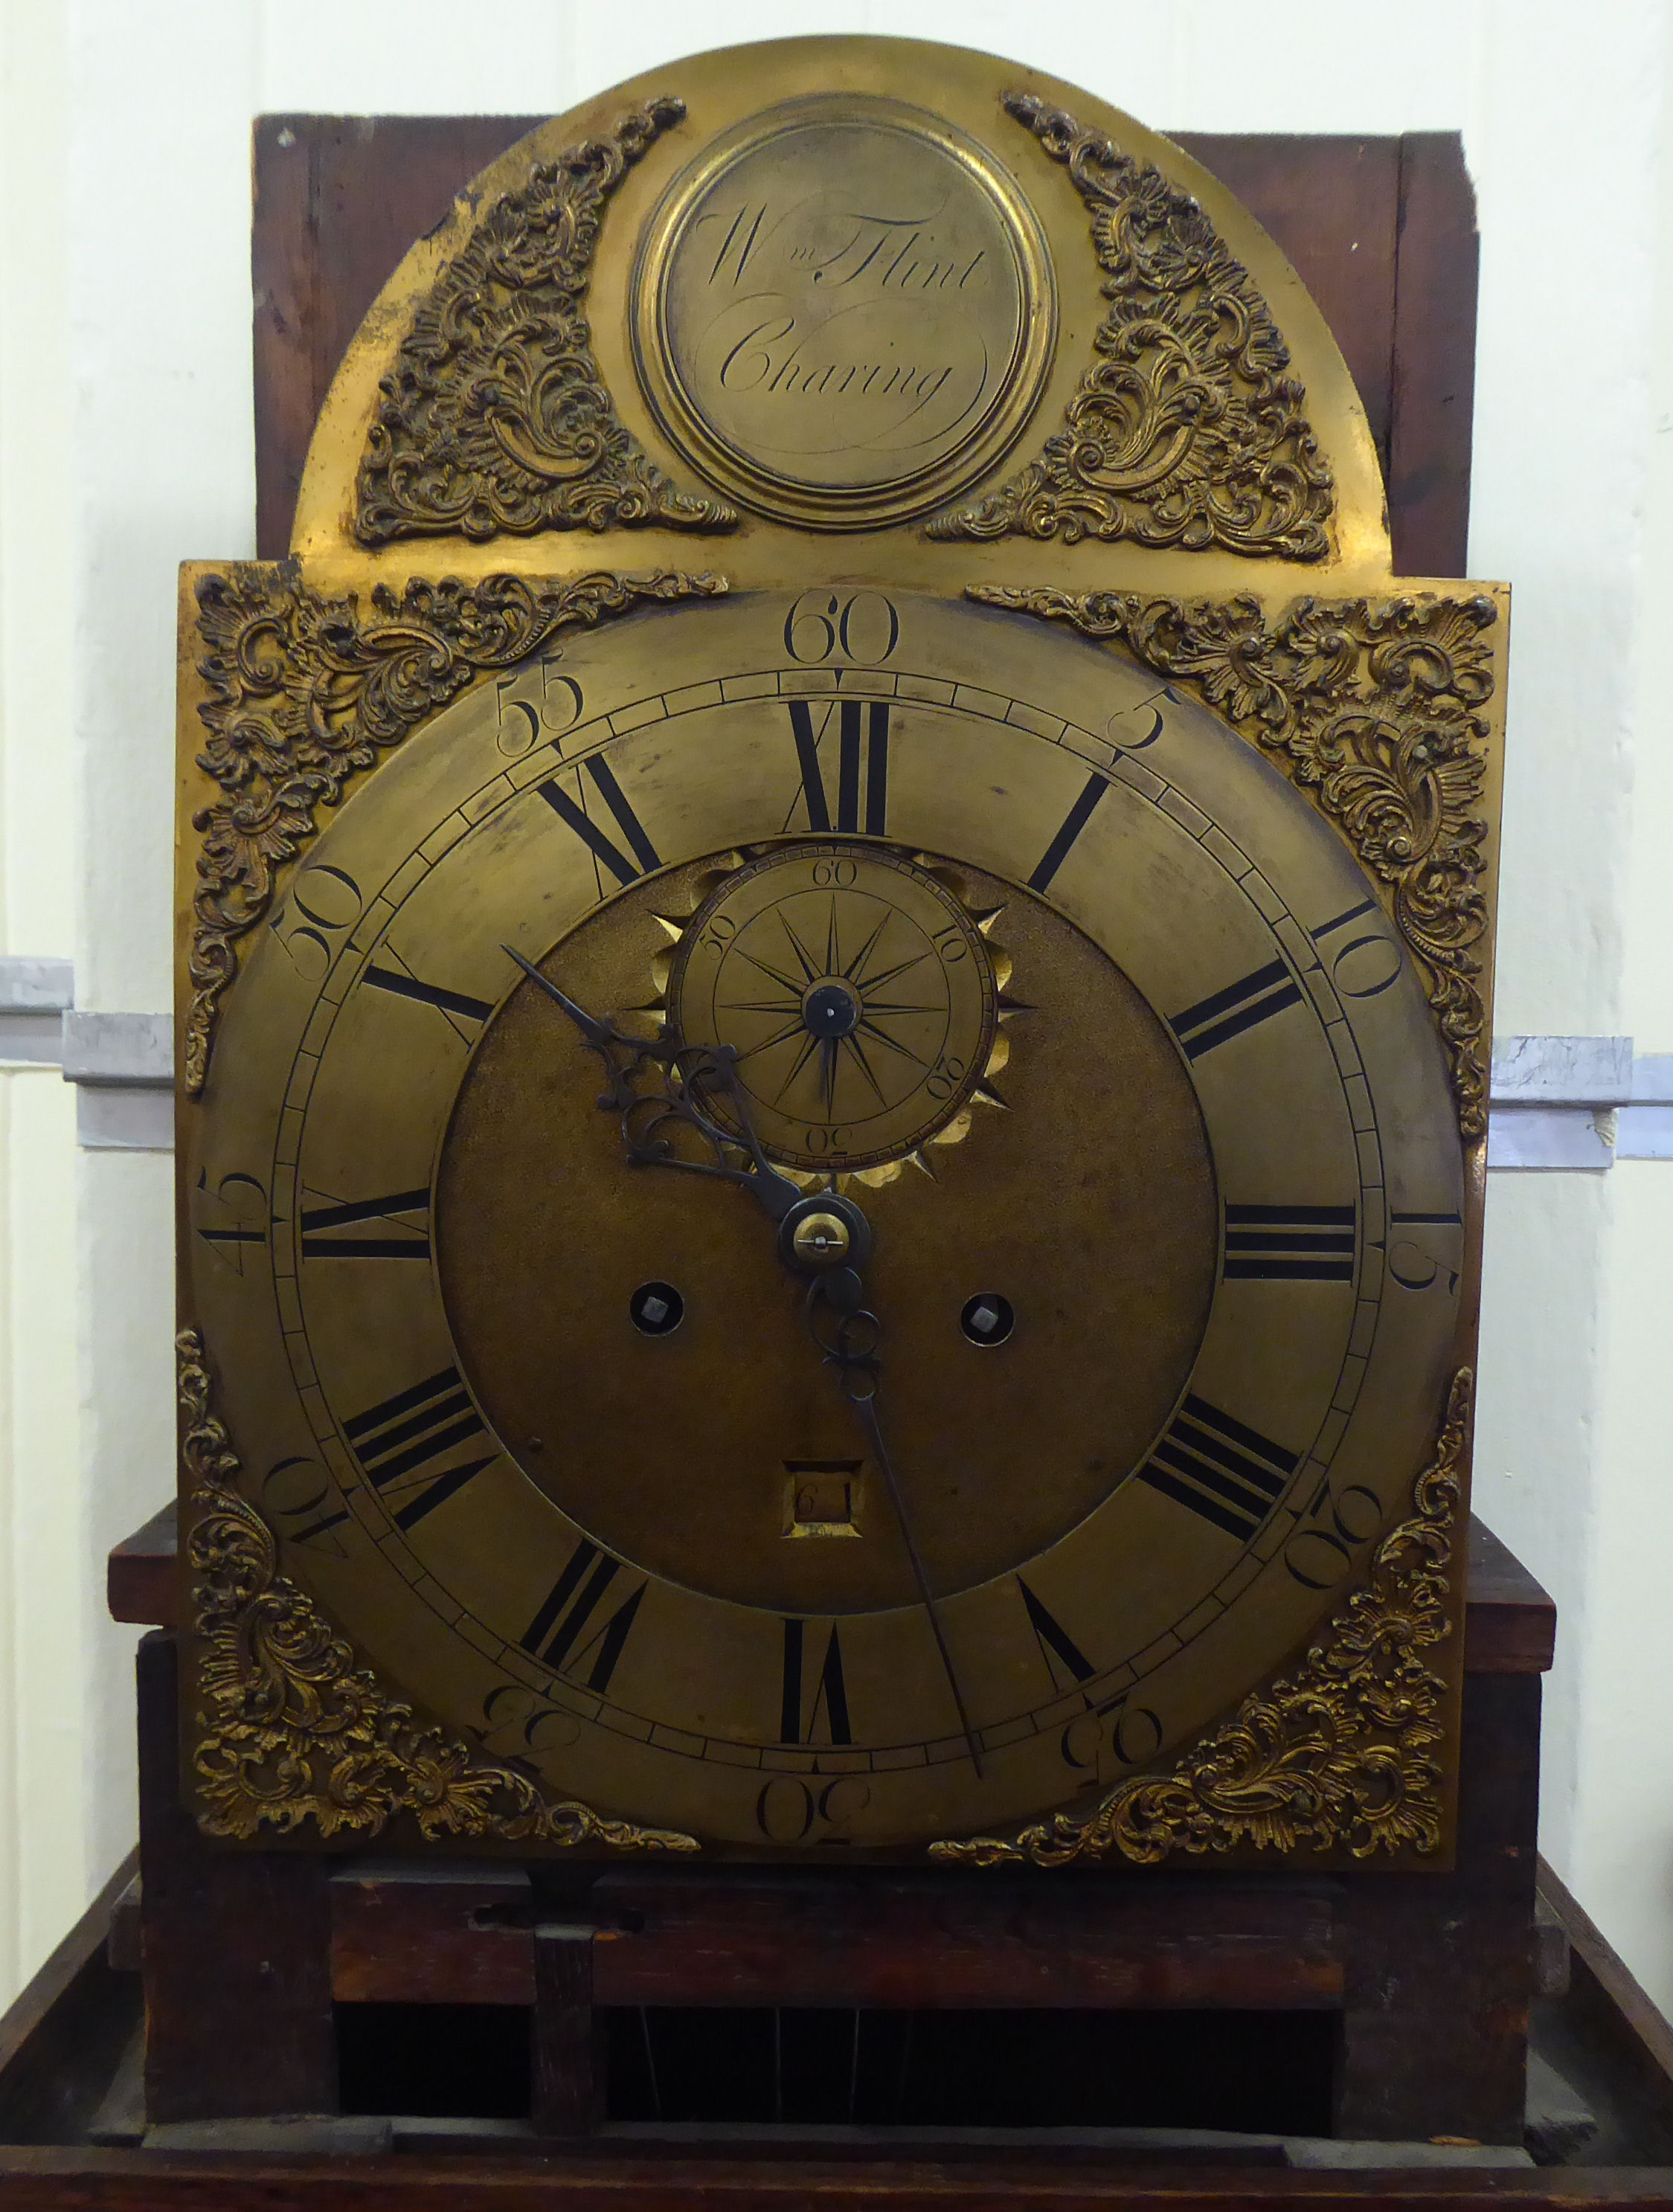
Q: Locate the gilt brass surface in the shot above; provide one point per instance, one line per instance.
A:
(1008, 1394)
(844, 310)
(856, 990)
(1216, 1386)
(1183, 351)
(739, 1391)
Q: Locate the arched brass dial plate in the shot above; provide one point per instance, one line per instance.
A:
(655, 1564)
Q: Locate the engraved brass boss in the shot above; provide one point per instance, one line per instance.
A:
(844, 312)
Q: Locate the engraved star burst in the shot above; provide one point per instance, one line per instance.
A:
(877, 1052)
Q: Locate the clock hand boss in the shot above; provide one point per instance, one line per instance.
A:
(824, 1238)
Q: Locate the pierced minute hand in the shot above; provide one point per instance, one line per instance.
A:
(823, 1238)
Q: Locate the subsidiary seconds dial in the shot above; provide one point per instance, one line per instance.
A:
(858, 992)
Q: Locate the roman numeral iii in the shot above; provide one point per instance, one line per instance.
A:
(1289, 1244)
(1229, 1475)
(1225, 1014)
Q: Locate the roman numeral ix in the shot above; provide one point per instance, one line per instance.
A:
(814, 793)
(1230, 1475)
(323, 1227)
(409, 1432)
(1289, 1245)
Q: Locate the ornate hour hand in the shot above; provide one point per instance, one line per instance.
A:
(823, 1238)
(655, 1084)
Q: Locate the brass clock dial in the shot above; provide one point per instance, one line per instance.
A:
(546, 1432)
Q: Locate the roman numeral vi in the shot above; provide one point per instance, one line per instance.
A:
(830, 1696)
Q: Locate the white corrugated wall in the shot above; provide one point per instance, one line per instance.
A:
(126, 446)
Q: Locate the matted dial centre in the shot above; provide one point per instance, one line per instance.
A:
(545, 1240)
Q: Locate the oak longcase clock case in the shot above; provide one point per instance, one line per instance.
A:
(834, 960)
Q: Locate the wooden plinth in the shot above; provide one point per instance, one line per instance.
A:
(1429, 1976)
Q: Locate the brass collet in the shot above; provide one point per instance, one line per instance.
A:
(821, 1240)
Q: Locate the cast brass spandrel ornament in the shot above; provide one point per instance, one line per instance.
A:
(1340, 1755)
(1186, 431)
(494, 418)
(292, 1734)
(305, 692)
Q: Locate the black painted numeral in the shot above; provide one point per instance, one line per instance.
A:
(1074, 822)
(602, 846)
(831, 1697)
(244, 1200)
(299, 1494)
(1289, 1245)
(851, 759)
(1238, 1007)
(1057, 1647)
(558, 1634)
(429, 995)
(1412, 1261)
(411, 1430)
(323, 1227)
(1230, 1474)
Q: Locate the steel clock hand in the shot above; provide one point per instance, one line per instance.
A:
(655, 1082)
(823, 1238)
(851, 1347)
